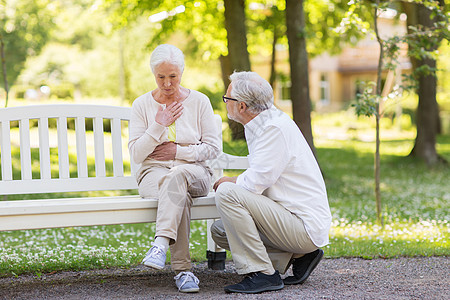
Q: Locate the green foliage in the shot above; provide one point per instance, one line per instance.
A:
(25, 27)
(366, 101)
(201, 23)
(215, 96)
(83, 55)
(20, 90)
(79, 22)
(356, 23)
(64, 90)
(264, 23)
(425, 36)
(391, 47)
(323, 18)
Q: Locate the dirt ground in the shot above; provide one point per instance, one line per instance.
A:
(400, 278)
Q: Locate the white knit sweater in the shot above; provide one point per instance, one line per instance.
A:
(197, 136)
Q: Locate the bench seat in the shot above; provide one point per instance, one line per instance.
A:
(70, 212)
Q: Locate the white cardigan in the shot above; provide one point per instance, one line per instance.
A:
(197, 136)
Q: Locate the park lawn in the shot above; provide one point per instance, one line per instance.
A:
(415, 205)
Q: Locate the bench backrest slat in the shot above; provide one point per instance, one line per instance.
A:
(25, 149)
(6, 150)
(63, 148)
(116, 134)
(44, 149)
(99, 145)
(134, 167)
(80, 132)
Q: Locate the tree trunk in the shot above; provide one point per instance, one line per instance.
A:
(377, 164)
(273, 60)
(237, 49)
(298, 59)
(5, 79)
(427, 114)
(122, 83)
(226, 69)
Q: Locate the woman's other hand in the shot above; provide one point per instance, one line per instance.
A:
(165, 151)
(167, 116)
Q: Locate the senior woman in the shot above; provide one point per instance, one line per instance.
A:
(172, 134)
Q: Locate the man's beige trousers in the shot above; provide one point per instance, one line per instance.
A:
(260, 233)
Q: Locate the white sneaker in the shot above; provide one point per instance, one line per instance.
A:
(187, 282)
(155, 257)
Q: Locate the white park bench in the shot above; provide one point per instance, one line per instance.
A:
(88, 211)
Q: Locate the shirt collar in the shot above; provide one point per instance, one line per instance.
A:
(258, 123)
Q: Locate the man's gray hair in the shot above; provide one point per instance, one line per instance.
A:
(253, 90)
(167, 53)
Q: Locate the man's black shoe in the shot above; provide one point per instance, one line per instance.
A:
(257, 283)
(303, 266)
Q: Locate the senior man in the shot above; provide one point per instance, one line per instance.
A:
(276, 213)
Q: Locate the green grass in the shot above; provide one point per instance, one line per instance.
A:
(397, 238)
(410, 190)
(415, 209)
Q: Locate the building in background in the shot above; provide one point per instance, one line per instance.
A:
(335, 80)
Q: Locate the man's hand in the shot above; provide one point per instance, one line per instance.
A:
(224, 179)
(165, 151)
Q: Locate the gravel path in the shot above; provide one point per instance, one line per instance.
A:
(401, 278)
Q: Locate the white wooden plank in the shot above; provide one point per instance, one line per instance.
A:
(63, 148)
(80, 131)
(99, 145)
(77, 219)
(65, 110)
(86, 184)
(84, 204)
(211, 245)
(134, 167)
(57, 185)
(6, 150)
(116, 138)
(25, 151)
(44, 149)
(219, 127)
(87, 212)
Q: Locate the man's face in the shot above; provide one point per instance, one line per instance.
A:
(232, 107)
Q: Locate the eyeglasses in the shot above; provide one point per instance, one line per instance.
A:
(226, 99)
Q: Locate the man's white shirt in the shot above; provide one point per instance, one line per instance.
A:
(283, 168)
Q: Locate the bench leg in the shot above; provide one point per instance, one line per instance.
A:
(216, 256)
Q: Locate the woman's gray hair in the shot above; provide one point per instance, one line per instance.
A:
(253, 90)
(167, 53)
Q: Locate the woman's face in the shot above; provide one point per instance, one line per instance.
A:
(168, 78)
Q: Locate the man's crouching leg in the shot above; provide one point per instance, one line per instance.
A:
(240, 234)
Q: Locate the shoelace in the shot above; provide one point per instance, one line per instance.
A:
(188, 276)
(158, 251)
(251, 276)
